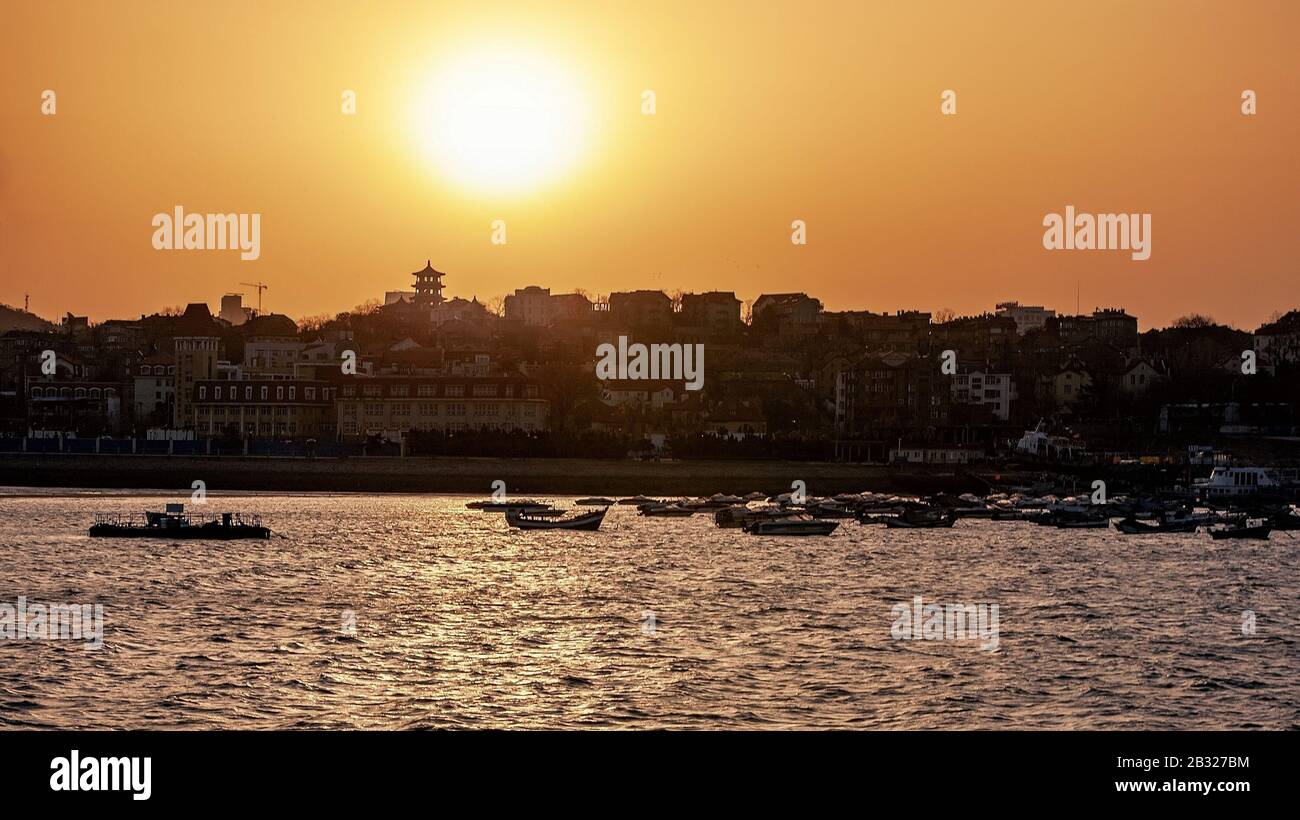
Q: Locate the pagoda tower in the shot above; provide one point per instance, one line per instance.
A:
(428, 285)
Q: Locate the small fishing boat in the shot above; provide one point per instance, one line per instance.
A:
(530, 521)
(665, 510)
(595, 502)
(1243, 530)
(505, 506)
(791, 525)
(921, 518)
(638, 500)
(1001, 514)
(973, 512)
(174, 523)
(1132, 526)
(738, 516)
(827, 508)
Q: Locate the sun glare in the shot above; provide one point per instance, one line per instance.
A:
(498, 122)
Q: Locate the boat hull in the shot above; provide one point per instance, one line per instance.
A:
(792, 528)
(587, 521)
(205, 533)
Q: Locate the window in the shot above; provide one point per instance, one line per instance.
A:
(485, 390)
(370, 390)
(145, 370)
(265, 391)
(425, 390)
(279, 393)
(309, 393)
(216, 392)
(455, 390)
(293, 392)
(203, 392)
(399, 390)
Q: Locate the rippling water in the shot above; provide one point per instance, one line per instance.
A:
(461, 622)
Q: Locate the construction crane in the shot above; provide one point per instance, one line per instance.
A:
(260, 287)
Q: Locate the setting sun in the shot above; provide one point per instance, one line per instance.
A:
(501, 121)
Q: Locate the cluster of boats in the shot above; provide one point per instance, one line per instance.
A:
(787, 514)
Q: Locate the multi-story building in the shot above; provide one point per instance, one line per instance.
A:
(233, 310)
(392, 405)
(717, 313)
(981, 388)
(155, 391)
(905, 331)
(538, 307)
(881, 395)
(264, 408)
(1278, 342)
(641, 310)
(789, 314)
(1110, 325)
(87, 408)
(271, 347)
(196, 344)
(1026, 317)
(530, 305)
(986, 338)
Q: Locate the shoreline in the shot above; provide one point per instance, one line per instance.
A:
(475, 475)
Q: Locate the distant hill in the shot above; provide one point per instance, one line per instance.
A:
(12, 318)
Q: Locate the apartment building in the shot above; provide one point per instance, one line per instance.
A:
(387, 405)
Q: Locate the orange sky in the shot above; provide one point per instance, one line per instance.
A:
(766, 112)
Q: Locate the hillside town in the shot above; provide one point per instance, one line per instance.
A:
(782, 378)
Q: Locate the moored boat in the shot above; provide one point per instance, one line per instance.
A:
(791, 525)
(665, 510)
(922, 518)
(175, 523)
(504, 506)
(1131, 526)
(595, 501)
(530, 521)
(638, 500)
(1259, 531)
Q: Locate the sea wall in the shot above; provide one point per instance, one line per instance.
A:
(471, 475)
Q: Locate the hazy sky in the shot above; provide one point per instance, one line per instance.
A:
(827, 112)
